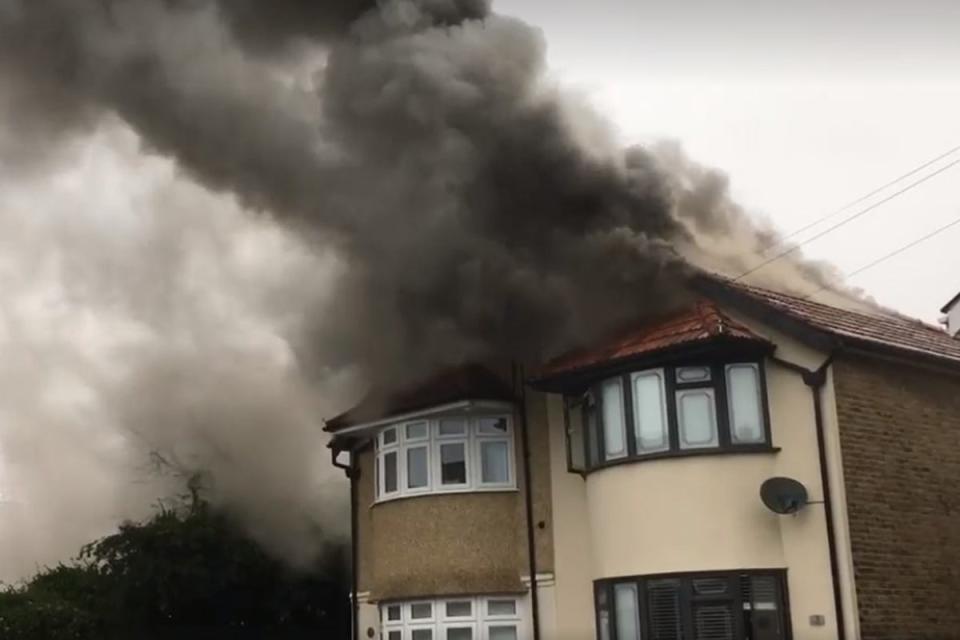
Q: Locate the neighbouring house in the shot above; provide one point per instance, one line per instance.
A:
(614, 493)
(951, 312)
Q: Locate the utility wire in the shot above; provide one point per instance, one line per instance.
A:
(913, 171)
(892, 254)
(845, 221)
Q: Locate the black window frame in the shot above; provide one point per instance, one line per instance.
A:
(717, 382)
(689, 601)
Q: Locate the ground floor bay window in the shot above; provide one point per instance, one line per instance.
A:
(461, 618)
(733, 605)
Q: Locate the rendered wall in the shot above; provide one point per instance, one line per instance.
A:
(700, 513)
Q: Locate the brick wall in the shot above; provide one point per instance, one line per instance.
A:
(900, 438)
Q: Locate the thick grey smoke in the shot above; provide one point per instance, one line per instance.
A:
(466, 207)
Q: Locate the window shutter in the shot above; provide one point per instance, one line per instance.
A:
(713, 622)
(663, 598)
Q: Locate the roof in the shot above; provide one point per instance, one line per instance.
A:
(702, 323)
(953, 301)
(465, 382)
(880, 330)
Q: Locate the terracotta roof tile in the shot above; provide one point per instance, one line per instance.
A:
(702, 323)
(883, 329)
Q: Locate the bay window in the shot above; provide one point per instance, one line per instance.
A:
(724, 605)
(459, 618)
(455, 453)
(672, 410)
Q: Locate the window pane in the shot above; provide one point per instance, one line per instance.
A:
(710, 586)
(743, 391)
(389, 436)
(697, 418)
(614, 435)
(503, 632)
(453, 427)
(714, 622)
(494, 462)
(421, 611)
(395, 635)
(693, 374)
(453, 463)
(492, 426)
(628, 618)
(459, 609)
(593, 436)
(459, 633)
(502, 608)
(417, 431)
(421, 634)
(663, 597)
(417, 477)
(649, 414)
(390, 472)
(603, 613)
(393, 612)
(576, 451)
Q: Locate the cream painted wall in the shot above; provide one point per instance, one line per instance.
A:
(573, 539)
(700, 513)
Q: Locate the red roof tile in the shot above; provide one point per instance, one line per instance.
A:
(702, 323)
(880, 329)
(466, 382)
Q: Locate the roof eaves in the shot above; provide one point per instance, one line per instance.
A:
(574, 376)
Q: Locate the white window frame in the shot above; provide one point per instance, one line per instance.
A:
(472, 441)
(479, 621)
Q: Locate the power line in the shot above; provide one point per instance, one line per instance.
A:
(867, 196)
(892, 254)
(845, 221)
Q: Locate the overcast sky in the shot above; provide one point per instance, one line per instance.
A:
(806, 106)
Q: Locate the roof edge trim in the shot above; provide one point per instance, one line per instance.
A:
(426, 412)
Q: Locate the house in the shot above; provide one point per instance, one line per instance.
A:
(951, 312)
(614, 493)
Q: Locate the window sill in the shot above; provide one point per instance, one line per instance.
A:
(692, 453)
(433, 494)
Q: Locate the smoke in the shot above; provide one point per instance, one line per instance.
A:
(445, 201)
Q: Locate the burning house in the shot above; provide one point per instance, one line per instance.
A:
(753, 466)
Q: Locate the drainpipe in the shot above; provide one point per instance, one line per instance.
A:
(816, 381)
(353, 473)
(520, 386)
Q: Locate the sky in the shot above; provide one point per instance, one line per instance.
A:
(806, 106)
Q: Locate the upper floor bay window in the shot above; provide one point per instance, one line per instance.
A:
(669, 410)
(446, 454)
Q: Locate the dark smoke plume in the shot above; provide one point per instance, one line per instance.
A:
(474, 210)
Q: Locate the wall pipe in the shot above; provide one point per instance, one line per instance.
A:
(353, 473)
(519, 386)
(816, 380)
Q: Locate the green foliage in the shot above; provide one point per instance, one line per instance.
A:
(180, 575)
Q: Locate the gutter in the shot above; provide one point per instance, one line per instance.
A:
(517, 374)
(353, 473)
(462, 405)
(816, 381)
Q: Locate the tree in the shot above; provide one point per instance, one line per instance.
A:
(188, 573)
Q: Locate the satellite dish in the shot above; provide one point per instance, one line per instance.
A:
(783, 495)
